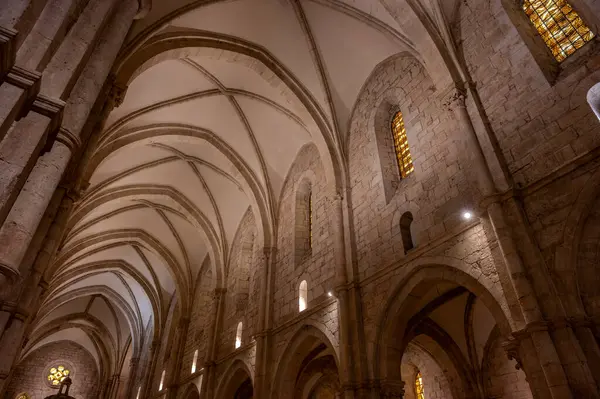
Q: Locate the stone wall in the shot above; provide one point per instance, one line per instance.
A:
(436, 192)
(199, 328)
(501, 378)
(243, 284)
(30, 376)
(317, 266)
(540, 123)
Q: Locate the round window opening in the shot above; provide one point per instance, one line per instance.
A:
(57, 374)
(23, 396)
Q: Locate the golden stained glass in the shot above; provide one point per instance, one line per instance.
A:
(23, 396)
(419, 388)
(405, 163)
(57, 374)
(560, 26)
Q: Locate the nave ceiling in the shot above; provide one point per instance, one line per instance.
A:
(221, 96)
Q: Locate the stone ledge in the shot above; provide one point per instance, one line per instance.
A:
(27, 80)
(8, 51)
(52, 108)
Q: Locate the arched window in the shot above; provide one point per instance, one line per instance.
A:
(238, 336)
(138, 392)
(405, 231)
(405, 163)
(194, 361)
(562, 29)
(303, 229)
(419, 388)
(303, 297)
(162, 380)
(23, 395)
(56, 374)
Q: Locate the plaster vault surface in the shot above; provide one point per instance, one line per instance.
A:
(207, 131)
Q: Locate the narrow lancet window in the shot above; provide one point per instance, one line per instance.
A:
(405, 231)
(405, 163)
(560, 26)
(303, 297)
(238, 336)
(162, 380)
(194, 361)
(419, 388)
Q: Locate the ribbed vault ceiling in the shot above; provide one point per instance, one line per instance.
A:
(203, 134)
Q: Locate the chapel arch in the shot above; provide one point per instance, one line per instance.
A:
(308, 367)
(236, 383)
(421, 317)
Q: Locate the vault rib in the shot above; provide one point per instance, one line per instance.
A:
(245, 122)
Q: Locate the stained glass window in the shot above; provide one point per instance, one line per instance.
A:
(419, 388)
(559, 25)
(23, 396)
(57, 374)
(405, 163)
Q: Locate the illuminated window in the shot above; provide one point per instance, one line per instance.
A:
(419, 389)
(162, 381)
(194, 361)
(24, 395)
(559, 25)
(303, 297)
(310, 219)
(405, 163)
(238, 336)
(57, 374)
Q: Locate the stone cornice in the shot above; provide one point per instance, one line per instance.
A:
(52, 108)
(8, 51)
(27, 80)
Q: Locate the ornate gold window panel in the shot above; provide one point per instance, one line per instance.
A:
(560, 26)
(405, 163)
(57, 374)
(419, 388)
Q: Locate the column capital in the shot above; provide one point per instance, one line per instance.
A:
(454, 98)
(218, 293)
(392, 389)
(116, 92)
(270, 251)
(511, 347)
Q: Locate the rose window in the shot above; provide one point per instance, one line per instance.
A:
(57, 375)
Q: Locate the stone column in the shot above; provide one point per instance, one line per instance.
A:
(341, 289)
(151, 370)
(23, 144)
(261, 383)
(179, 345)
(545, 349)
(211, 347)
(49, 170)
(131, 385)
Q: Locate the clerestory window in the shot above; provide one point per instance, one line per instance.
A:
(405, 163)
(419, 388)
(559, 25)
